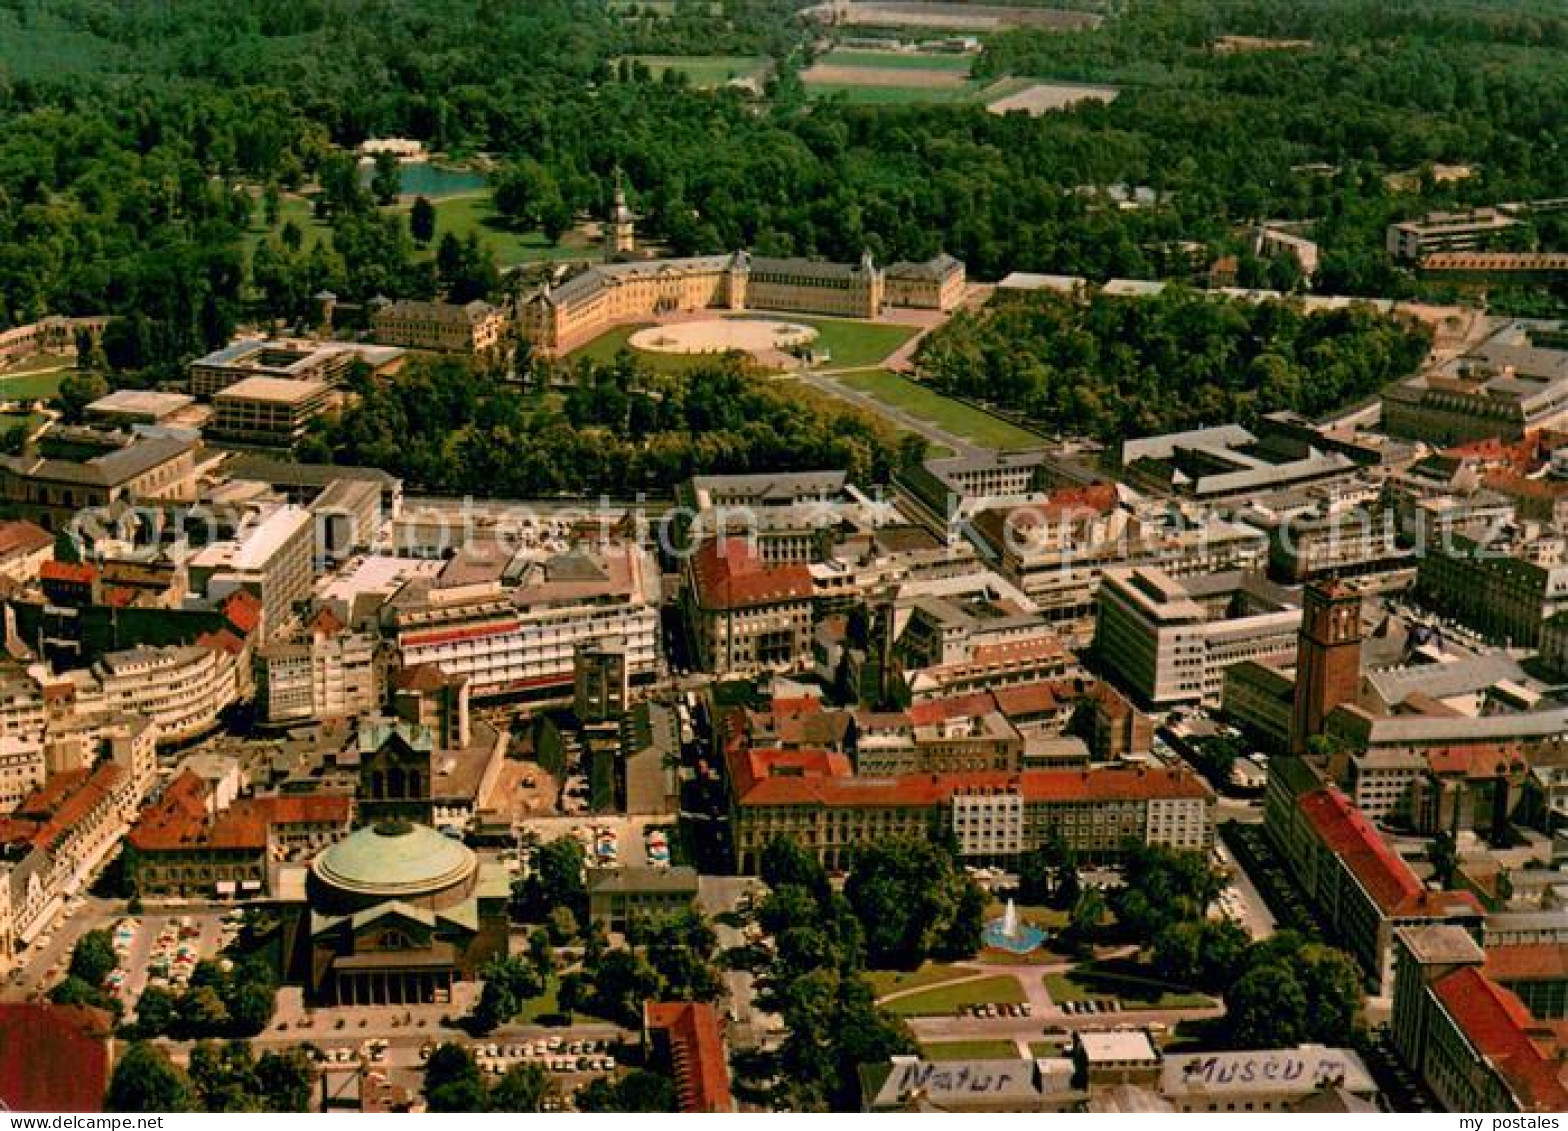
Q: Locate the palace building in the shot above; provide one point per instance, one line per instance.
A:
(557, 318)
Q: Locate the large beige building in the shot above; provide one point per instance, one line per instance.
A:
(747, 616)
(512, 624)
(273, 559)
(1170, 641)
(559, 318)
(473, 327)
(269, 411)
(814, 797)
(94, 469)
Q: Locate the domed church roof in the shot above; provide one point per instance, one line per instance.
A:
(394, 859)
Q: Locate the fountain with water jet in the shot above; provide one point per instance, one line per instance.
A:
(1012, 934)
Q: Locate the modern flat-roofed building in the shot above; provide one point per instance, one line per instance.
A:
(1340, 543)
(1170, 641)
(326, 362)
(1262, 1079)
(1410, 240)
(325, 671)
(267, 411)
(272, 558)
(1228, 463)
(184, 689)
(137, 406)
(512, 623)
(908, 1083)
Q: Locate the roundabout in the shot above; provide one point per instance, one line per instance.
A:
(723, 335)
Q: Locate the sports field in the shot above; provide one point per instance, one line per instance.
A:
(947, 414)
(898, 61)
(890, 77)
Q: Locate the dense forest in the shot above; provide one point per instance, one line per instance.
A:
(1110, 366)
(139, 141)
(621, 428)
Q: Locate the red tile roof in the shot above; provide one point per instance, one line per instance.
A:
(181, 818)
(1042, 698)
(749, 767)
(243, 610)
(222, 641)
(53, 1057)
(930, 712)
(1527, 962)
(1388, 881)
(67, 571)
(1512, 483)
(729, 575)
(23, 538)
(702, 1074)
(1498, 1025)
(1065, 503)
(842, 789)
(424, 677)
(326, 623)
(1476, 760)
(307, 808)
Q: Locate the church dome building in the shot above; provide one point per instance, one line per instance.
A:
(394, 914)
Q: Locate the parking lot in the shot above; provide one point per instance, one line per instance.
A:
(610, 841)
(159, 948)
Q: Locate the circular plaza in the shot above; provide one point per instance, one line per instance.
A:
(722, 335)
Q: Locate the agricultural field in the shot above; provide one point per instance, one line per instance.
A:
(890, 78)
(707, 70)
(932, 14)
(947, 414)
(1036, 98)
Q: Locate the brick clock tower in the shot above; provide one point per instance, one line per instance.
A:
(1328, 657)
